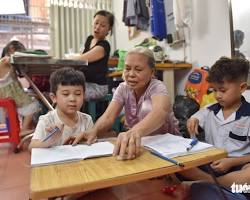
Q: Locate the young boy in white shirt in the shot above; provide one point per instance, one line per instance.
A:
(67, 87)
(226, 124)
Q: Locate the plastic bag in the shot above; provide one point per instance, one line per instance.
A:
(208, 99)
(184, 107)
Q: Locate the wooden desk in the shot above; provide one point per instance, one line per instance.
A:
(168, 73)
(87, 175)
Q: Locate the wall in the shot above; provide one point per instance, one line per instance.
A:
(209, 35)
(240, 15)
(208, 38)
(121, 31)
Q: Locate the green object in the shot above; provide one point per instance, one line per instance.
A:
(91, 109)
(121, 60)
(36, 51)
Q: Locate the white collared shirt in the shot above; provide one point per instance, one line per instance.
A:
(83, 123)
(231, 134)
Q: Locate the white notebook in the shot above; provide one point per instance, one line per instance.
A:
(170, 145)
(69, 153)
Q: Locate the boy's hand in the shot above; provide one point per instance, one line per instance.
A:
(69, 140)
(192, 126)
(90, 138)
(222, 165)
(55, 137)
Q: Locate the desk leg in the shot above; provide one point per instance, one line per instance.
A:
(168, 79)
(211, 172)
(38, 92)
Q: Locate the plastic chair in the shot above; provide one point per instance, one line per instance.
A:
(11, 134)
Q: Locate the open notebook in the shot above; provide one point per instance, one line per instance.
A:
(171, 145)
(69, 153)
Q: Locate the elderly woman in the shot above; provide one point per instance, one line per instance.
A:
(147, 106)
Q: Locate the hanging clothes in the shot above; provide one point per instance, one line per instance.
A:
(182, 10)
(135, 13)
(158, 20)
(169, 17)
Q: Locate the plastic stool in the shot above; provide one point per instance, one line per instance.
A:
(12, 132)
(91, 110)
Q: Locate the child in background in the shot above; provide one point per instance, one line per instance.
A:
(67, 87)
(226, 124)
(11, 87)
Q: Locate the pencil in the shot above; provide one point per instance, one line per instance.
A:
(167, 158)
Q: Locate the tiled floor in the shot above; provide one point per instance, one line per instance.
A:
(143, 190)
(15, 182)
(14, 174)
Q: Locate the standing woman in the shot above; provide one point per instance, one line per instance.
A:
(96, 52)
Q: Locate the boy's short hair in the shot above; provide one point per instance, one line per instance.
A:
(66, 76)
(146, 52)
(228, 69)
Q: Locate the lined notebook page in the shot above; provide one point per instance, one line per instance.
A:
(172, 145)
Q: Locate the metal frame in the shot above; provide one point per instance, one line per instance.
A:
(231, 27)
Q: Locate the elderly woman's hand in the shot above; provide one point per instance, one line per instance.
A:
(127, 145)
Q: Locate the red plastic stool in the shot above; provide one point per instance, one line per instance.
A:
(13, 126)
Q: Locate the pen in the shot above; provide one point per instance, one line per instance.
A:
(167, 159)
(192, 143)
(52, 132)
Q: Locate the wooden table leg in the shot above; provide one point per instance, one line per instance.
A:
(168, 79)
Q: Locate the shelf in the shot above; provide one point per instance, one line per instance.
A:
(159, 66)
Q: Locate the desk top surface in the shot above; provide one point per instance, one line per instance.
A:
(45, 65)
(86, 175)
(41, 61)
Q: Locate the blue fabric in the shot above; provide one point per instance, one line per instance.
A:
(208, 191)
(158, 21)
